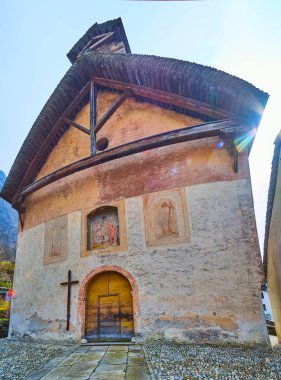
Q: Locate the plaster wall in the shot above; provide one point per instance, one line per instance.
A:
(131, 121)
(274, 257)
(207, 289)
(143, 173)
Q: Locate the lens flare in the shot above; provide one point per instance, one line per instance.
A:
(243, 141)
(174, 170)
(220, 144)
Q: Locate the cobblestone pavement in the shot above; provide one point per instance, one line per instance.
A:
(114, 362)
(191, 362)
(18, 358)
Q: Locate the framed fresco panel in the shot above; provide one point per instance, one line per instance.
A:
(104, 229)
(55, 245)
(165, 218)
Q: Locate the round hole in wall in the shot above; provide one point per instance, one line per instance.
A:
(102, 143)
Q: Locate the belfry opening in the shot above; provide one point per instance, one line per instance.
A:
(109, 308)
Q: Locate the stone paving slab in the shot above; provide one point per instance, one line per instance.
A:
(135, 348)
(137, 354)
(117, 349)
(114, 361)
(56, 373)
(111, 367)
(97, 363)
(71, 359)
(138, 373)
(107, 376)
(38, 375)
(98, 348)
(135, 362)
(93, 356)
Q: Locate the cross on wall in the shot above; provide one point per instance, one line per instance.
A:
(68, 283)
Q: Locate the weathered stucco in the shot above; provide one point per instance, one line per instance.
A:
(204, 286)
(203, 290)
(160, 169)
(274, 257)
(133, 120)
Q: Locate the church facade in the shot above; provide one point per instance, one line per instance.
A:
(135, 203)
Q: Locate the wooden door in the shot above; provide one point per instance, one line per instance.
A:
(109, 317)
(109, 308)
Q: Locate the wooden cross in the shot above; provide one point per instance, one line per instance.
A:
(68, 283)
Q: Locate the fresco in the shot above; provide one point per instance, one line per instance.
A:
(165, 217)
(103, 228)
(55, 246)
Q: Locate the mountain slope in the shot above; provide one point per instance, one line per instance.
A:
(8, 227)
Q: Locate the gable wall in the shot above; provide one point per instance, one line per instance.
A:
(132, 121)
(159, 169)
(206, 288)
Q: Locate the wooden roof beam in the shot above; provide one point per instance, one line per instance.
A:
(47, 142)
(99, 42)
(91, 41)
(76, 125)
(93, 117)
(115, 105)
(222, 127)
(168, 98)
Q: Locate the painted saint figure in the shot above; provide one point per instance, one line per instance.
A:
(111, 231)
(104, 228)
(167, 219)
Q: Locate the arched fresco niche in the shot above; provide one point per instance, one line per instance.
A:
(103, 228)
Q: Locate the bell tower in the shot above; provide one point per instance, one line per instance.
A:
(108, 37)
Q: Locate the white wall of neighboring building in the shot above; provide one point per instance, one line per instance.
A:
(266, 305)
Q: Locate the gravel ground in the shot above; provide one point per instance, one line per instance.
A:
(19, 359)
(182, 362)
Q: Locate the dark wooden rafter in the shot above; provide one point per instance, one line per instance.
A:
(99, 42)
(205, 130)
(40, 154)
(111, 110)
(167, 97)
(94, 126)
(149, 93)
(76, 125)
(94, 45)
(93, 117)
(99, 37)
(21, 219)
(235, 164)
(104, 118)
(229, 135)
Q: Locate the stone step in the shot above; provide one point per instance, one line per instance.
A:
(109, 344)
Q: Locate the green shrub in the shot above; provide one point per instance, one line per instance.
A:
(6, 274)
(4, 309)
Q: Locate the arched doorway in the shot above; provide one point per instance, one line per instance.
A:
(109, 308)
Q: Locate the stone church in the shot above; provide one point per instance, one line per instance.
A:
(134, 198)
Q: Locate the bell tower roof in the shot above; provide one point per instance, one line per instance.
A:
(108, 37)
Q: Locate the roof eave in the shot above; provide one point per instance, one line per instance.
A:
(168, 75)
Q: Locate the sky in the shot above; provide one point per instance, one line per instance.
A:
(241, 37)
